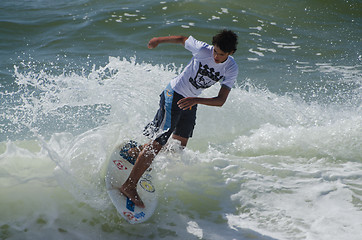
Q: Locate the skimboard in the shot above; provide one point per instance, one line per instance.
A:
(118, 170)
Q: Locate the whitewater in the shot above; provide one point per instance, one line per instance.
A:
(280, 160)
(263, 166)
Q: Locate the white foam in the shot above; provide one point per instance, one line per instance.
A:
(194, 229)
(274, 164)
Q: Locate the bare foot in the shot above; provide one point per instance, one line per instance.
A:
(130, 191)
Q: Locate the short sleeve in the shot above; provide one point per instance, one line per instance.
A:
(194, 45)
(231, 75)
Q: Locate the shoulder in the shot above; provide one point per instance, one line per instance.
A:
(231, 66)
(195, 45)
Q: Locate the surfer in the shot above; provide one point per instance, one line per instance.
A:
(178, 102)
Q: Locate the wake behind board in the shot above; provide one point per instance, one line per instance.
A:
(118, 171)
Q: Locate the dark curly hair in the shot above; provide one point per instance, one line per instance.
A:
(226, 40)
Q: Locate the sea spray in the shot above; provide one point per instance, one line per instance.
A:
(260, 162)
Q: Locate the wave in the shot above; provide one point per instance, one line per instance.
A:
(126, 92)
(265, 162)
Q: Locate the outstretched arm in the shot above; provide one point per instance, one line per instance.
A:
(218, 101)
(169, 39)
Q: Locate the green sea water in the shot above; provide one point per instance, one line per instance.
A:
(280, 160)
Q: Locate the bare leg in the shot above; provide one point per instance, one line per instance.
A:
(144, 160)
(134, 152)
(181, 139)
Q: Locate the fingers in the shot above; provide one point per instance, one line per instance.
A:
(186, 103)
(152, 43)
(150, 46)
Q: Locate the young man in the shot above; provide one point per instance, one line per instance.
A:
(178, 102)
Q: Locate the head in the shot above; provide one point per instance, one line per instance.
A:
(225, 44)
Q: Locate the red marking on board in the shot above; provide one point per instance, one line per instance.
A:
(120, 165)
(132, 217)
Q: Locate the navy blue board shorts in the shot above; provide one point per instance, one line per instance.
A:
(171, 119)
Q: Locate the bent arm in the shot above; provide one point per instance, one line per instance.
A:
(169, 39)
(218, 101)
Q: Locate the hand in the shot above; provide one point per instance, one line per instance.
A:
(153, 43)
(187, 103)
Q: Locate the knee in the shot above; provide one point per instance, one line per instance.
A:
(181, 139)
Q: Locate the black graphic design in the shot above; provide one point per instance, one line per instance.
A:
(205, 77)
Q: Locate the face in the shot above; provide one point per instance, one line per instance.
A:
(220, 56)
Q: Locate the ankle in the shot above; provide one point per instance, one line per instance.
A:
(129, 183)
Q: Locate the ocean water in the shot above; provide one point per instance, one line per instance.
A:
(281, 159)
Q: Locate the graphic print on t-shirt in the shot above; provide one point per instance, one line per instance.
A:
(205, 77)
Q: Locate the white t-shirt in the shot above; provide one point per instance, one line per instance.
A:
(202, 71)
